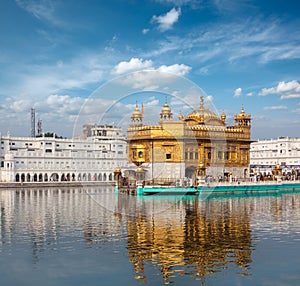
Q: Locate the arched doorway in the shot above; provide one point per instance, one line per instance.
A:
(54, 177)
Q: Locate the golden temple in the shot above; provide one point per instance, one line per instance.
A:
(198, 143)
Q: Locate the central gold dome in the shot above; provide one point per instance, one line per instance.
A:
(203, 116)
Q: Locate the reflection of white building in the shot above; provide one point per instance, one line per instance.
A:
(90, 157)
(265, 154)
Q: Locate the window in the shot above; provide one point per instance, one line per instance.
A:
(209, 155)
(168, 156)
(140, 154)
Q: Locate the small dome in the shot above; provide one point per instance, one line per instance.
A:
(137, 117)
(166, 112)
(136, 113)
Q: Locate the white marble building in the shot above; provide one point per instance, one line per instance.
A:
(266, 154)
(92, 156)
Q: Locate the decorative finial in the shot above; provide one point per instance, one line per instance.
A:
(180, 116)
(243, 109)
(166, 99)
(136, 104)
(201, 101)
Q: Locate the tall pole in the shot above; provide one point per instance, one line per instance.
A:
(32, 122)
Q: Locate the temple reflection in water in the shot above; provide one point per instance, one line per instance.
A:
(199, 238)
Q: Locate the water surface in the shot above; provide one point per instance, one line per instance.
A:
(93, 236)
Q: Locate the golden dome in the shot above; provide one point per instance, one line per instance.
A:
(166, 108)
(203, 115)
(136, 113)
(166, 112)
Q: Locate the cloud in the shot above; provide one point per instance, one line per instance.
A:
(40, 9)
(275, 107)
(145, 31)
(19, 106)
(134, 64)
(213, 44)
(178, 69)
(192, 3)
(249, 94)
(165, 22)
(287, 90)
(154, 79)
(64, 104)
(238, 92)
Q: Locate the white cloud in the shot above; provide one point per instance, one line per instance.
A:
(267, 91)
(145, 31)
(238, 92)
(213, 45)
(64, 104)
(194, 4)
(275, 107)
(286, 90)
(178, 69)
(41, 9)
(249, 94)
(166, 21)
(154, 79)
(134, 64)
(20, 105)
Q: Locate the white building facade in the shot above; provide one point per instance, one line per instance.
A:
(46, 159)
(266, 154)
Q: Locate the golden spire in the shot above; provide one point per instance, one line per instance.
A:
(243, 109)
(201, 101)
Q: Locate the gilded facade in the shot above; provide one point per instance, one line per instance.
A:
(201, 140)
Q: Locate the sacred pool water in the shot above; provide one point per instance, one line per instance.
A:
(94, 236)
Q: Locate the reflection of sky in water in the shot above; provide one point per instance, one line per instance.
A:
(95, 237)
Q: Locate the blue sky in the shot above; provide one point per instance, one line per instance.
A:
(76, 61)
